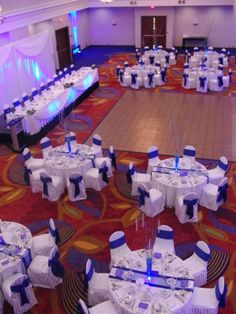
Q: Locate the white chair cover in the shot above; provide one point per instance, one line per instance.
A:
(33, 178)
(186, 208)
(153, 158)
(136, 80)
(31, 162)
(97, 145)
(96, 178)
(34, 93)
(188, 82)
(43, 88)
(76, 187)
(8, 114)
(110, 161)
(46, 146)
(208, 300)
(197, 263)
(151, 202)
(217, 174)
(17, 104)
(138, 178)
(213, 196)
(104, 307)
(118, 247)
(189, 152)
(202, 84)
(46, 271)
(72, 68)
(66, 72)
(98, 287)
(149, 80)
(216, 84)
(25, 99)
(52, 186)
(56, 79)
(12, 287)
(164, 241)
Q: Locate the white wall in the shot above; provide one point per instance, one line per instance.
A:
(160, 11)
(83, 28)
(101, 30)
(216, 23)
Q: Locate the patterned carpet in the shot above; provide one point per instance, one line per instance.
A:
(85, 226)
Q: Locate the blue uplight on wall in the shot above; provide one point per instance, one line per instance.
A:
(72, 96)
(74, 24)
(53, 107)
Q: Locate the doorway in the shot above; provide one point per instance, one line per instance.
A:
(153, 31)
(63, 47)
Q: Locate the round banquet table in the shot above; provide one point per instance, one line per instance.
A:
(191, 177)
(15, 244)
(167, 290)
(60, 163)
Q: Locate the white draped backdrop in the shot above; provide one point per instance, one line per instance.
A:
(24, 64)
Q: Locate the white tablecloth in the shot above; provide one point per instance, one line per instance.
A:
(191, 177)
(15, 244)
(130, 295)
(60, 163)
(55, 100)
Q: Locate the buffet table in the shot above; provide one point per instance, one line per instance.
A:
(168, 289)
(190, 177)
(15, 244)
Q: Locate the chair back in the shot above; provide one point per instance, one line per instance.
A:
(186, 66)
(54, 232)
(46, 145)
(202, 251)
(46, 180)
(66, 72)
(90, 271)
(143, 194)
(160, 47)
(19, 289)
(223, 164)
(222, 190)
(60, 75)
(146, 48)
(195, 49)
(189, 201)
(126, 64)
(112, 157)
(42, 87)
(221, 292)
(16, 103)
(27, 154)
(73, 139)
(54, 264)
(25, 99)
(132, 170)
(165, 232)
(6, 110)
(189, 152)
(76, 180)
(117, 240)
(97, 140)
(49, 83)
(83, 307)
(34, 93)
(55, 79)
(72, 68)
(153, 153)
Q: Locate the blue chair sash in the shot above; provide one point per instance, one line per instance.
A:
(150, 78)
(35, 93)
(21, 290)
(220, 80)
(126, 65)
(112, 156)
(230, 76)
(157, 64)
(141, 62)
(222, 193)
(104, 171)
(7, 110)
(133, 78)
(76, 182)
(118, 69)
(97, 142)
(27, 173)
(222, 165)
(56, 266)
(163, 75)
(45, 180)
(67, 140)
(153, 154)
(151, 59)
(72, 138)
(202, 80)
(16, 103)
(138, 55)
(165, 234)
(141, 196)
(185, 76)
(27, 156)
(25, 98)
(221, 60)
(90, 273)
(66, 72)
(81, 310)
(117, 243)
(55, 234)
(42, 88)
(45, 144)
(190, 205)
(146, 48)
(128, 177)
(220, 67)
(203, 255)
(186, 66)
(189, 152)
(121, 76)
(221, 297)
(55, 79)
(167, 59)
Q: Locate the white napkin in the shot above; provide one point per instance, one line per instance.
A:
(120, 294)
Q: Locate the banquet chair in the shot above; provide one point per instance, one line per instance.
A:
(101, 308)
(56, 80)
(164, 241)
(46, 146)
(197, 263)
(76, 187)
(98, 287)
(31, 162)
(186, 67)
(18, 292)
(150, 79)
(96, 178)
(124, 78)
(16, 104)
(151, 59)
(188, 82)
(52, 186)
(126, 66)
(189, 152)
(136, 81)
(61, 76)
(146, 48)
(66, 72)
(209, 300)
(43, 88)
(8, 114)
(71, 136)
(213, 196)
(96, 147)
(34, 93)
(217, 174)
(32, 178)
(72, 68)
(202, 84)
(46, 271)
(43, 244)
(216, 84)
(118, 247)
(153, 158)
(172, 60)
(151, 201)
(138, 178)
(49, 83)
(25, 100)
(186, 208)
(110, 161)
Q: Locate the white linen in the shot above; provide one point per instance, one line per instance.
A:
(173, 185)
